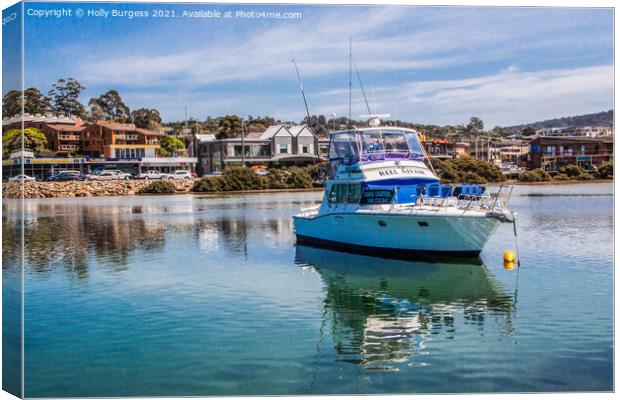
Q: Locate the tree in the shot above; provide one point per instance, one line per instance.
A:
(34, 102)
(529, 131)
(145, 118)
(474, 126)
(318, 124)
(64, 95)
(229, 127)
(34, 140)
(110, 105)
(170, 145)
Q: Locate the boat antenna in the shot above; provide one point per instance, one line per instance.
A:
(350, 73)
(301, 86)
(362, 86)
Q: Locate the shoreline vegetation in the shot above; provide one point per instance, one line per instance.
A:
(294, 179)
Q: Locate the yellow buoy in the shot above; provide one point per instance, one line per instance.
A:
(509, 256)
(509, 265)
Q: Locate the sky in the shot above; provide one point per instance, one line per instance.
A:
(430, 65)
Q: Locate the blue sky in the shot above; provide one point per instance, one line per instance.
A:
(437, 65)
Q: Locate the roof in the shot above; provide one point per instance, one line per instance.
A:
(117, 126)
(272, 131)
(67, 128)
(254, 135)
(47, 118)
(148, 132)
(205, 137)
(297, 129)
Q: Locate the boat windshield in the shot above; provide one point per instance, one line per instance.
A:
(351, 147)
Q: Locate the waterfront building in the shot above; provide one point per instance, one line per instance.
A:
(74, 144)
(278, 145)
(553, 152)
(440, 148)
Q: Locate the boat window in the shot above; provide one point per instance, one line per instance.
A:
(395, 142)
(345, 193)
(414, 144)
(372, 142)
(343, 145)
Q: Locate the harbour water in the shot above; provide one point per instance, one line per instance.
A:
(203, 295)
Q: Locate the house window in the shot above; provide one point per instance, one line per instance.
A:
(550, 150)
(263, 151)
(305, 149)
(583, 149)
(283, 148)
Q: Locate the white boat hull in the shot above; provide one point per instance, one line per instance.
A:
(397, 234)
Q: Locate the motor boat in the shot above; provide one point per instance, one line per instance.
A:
(383, 197)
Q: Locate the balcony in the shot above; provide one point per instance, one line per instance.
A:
(69, 137)
(124, 136)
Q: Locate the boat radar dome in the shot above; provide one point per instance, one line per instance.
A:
(375, 120)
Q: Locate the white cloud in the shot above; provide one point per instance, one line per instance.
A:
(405, 42)
(510, 97)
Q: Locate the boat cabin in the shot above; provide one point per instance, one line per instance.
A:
(363, 146)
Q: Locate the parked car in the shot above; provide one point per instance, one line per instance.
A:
(181, 174)
(153, 175)
(110, 176)
(66, 176)
(22, 178)
(262, 172)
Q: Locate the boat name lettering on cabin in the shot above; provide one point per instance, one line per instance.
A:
(404, 170)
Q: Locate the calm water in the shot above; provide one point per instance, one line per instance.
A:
(190, 295)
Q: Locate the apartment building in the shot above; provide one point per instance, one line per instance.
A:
(552, 152)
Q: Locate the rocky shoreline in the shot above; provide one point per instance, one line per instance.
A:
(40, 190)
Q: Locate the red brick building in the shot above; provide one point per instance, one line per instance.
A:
(93, 139)
(553, 152)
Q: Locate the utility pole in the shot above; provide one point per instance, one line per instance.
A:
(242, 144)
(185, 119)
(488, 146)
(333, 121)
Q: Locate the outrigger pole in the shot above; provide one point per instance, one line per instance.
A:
(350, 74)
(362, 86)
(302, 89)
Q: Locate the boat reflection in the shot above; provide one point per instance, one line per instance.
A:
(383, 312)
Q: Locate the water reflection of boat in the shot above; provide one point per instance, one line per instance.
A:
(382, 311)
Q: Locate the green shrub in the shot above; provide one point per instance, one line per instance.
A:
(575, 172)
(472, 177)
(298, 178)
(467, 169)
(561, 177)
(158, 187)
(446, 171)
(209, 184)
(317, 171)
(239, 178)
(277, 179)
(535, 175)
(606, 171)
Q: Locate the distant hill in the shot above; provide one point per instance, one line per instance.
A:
(600, 118)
